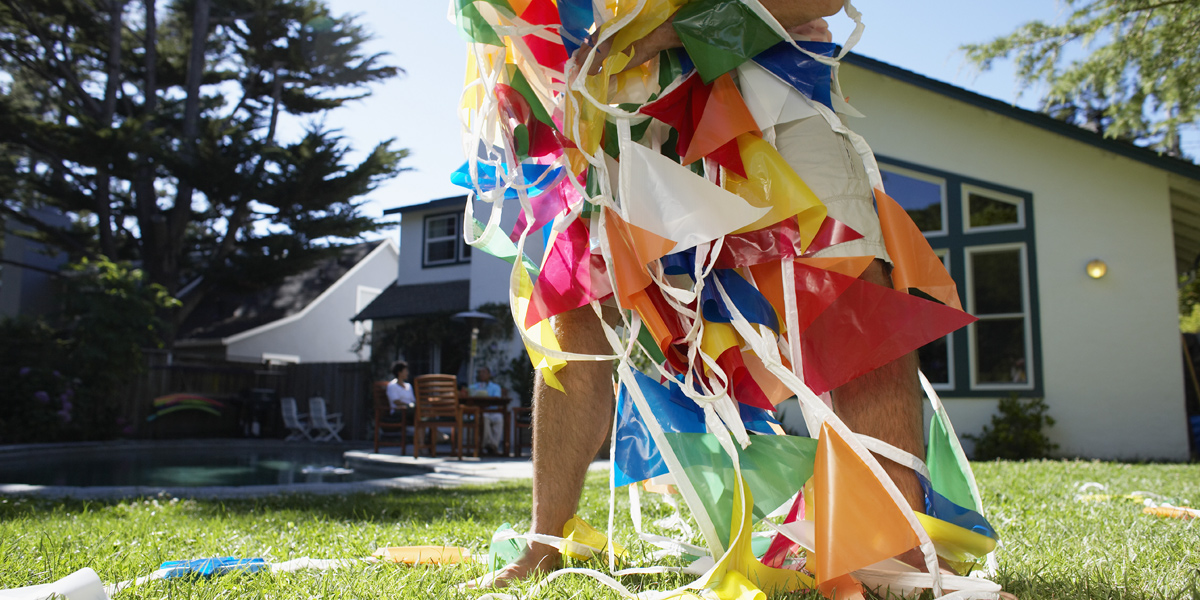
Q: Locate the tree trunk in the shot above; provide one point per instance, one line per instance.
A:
(103, 193)
(180, 214)
(145, 196)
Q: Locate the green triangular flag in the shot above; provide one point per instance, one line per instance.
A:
(720, 35)
(774, 466)
(948, 467)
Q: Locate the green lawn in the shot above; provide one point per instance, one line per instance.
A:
(1053, 545)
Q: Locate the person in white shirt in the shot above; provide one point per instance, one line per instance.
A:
(399, 390)
(493, 423)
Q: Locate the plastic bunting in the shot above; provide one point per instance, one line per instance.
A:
(720, 35)
(658, 190)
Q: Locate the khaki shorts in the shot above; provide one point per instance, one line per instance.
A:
(827, 162)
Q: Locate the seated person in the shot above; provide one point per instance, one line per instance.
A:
(400, 393)
(493, 423)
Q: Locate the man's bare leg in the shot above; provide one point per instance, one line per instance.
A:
(568, 430)
(886, 404)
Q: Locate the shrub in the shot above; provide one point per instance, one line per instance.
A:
(62, 375)
(1016, 431)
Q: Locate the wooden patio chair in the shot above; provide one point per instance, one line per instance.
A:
(386, 420)
(437, 406)
(523, 421)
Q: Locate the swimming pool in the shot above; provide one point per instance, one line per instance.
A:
(199, 463)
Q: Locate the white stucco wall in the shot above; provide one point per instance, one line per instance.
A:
(322, 332)
(1111, 365)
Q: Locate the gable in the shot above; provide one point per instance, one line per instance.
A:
(228, 313)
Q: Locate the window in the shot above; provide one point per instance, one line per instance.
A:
(923, 197)
(983, 232)
(444, 243)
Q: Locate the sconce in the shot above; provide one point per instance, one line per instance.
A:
(1096, 268)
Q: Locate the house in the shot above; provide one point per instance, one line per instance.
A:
(28, 268)
(1019, 204)
(306, 318)
(1066, 246)
(440, 276)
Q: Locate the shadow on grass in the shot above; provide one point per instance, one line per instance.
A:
(477, 503)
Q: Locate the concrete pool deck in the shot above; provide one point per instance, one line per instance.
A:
(396, 472)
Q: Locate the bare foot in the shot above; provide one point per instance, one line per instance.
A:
(538, 558)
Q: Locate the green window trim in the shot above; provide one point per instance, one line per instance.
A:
(956, 242)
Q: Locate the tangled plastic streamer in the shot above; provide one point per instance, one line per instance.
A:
(660, 190)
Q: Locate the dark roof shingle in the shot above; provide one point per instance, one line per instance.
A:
(399, 301)
(226, 313)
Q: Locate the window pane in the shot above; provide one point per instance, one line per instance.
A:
(935, 361)
(1000, 351)
(997, 280)
(440, 227)
(986, 211)
(440, 251)
(921, 199)
(466, 251)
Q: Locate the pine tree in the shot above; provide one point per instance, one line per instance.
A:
(155, 127)
(1139, 79)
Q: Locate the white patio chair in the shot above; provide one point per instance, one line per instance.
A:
(294, 421)
(326, 425)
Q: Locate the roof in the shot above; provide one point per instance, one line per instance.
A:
(457, 202)
(413, 300)
(225, 314)
(1124, 148)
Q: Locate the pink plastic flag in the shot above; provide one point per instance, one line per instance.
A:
(571, 276)
(547, 206)
(782, 545)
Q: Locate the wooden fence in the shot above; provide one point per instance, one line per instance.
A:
(248, 397)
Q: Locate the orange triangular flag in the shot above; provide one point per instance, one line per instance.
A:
(632, 248)
(842, 588)
(725, 117)
(916, 266)
(857, 522)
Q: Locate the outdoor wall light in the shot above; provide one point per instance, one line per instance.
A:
(1096, 268)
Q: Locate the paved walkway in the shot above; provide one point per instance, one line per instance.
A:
(394, 470)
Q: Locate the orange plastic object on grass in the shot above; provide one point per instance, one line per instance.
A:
(424, 555)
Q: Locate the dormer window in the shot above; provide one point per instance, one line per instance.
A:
(444, 243)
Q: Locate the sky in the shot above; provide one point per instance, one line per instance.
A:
(418, 108)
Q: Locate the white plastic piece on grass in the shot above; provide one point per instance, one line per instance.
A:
(83, 584)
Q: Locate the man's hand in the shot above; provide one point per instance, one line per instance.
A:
(661, 38)
(816, 30)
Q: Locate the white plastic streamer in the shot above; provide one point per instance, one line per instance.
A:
(710, 392)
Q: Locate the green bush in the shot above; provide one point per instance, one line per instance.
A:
(1016, 432)
(63, 373)
(36, 400)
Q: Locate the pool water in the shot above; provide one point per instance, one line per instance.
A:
(214, 463)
